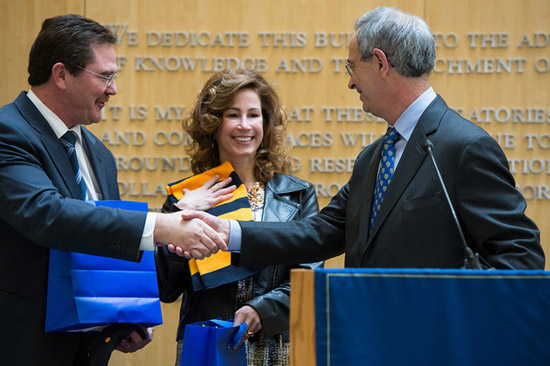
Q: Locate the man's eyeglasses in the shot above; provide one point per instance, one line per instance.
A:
(108, 79)
(349, 68)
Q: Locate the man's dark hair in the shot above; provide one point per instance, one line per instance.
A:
(66, 39)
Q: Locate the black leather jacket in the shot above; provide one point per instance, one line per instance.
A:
(286, 198)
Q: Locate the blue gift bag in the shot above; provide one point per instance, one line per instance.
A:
(210, 343)
(88, 291)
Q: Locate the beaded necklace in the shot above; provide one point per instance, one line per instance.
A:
(256, 195)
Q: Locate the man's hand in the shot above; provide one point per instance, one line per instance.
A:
(220, 226)
(135, 340)
(122, 336)
(192, 237)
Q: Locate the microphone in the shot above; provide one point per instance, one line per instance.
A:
(470, 261)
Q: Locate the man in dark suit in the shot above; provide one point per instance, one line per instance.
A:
(403, 219)
(72, 67)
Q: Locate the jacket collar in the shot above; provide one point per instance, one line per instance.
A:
(284, 184)
(51, 143)
(278, 206)
(55, 149)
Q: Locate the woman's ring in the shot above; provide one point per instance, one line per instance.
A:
(213, 188)
(250, 334)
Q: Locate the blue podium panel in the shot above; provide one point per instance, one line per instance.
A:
(432, 317)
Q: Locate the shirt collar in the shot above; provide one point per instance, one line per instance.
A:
(407, 121)
(57, 125)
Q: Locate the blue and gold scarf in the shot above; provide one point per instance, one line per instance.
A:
(217, 270)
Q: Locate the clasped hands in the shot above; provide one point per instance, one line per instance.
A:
(192, 234)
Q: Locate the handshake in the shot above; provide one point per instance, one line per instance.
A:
(192, 234)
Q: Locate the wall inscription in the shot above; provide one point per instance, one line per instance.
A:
(325, 139)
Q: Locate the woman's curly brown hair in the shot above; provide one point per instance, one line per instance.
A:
(215, 98)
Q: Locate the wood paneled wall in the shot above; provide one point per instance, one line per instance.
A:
(493, 65)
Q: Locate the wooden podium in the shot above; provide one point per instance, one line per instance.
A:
(348, 317)
(302, 318)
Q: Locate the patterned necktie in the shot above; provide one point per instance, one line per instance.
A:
(69, 140)
(385, 173)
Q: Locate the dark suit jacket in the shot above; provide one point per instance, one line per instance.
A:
(415, 228)
(37, 213)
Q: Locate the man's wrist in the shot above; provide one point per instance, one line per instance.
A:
(235, 237)
(148, 235)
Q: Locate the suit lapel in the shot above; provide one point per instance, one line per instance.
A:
(412, 158)
(51, 143)
(97, 163)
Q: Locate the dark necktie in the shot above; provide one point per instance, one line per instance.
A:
(385, 173)
(69, 140)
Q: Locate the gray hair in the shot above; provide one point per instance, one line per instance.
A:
(405, 39)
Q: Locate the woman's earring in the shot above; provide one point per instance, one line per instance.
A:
(212, 139)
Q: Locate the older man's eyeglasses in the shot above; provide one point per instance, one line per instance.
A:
(349, 68)
(108, 79)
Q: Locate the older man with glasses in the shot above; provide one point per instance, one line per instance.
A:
(393, 211)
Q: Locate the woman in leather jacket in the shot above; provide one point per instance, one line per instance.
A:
(238, 118)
